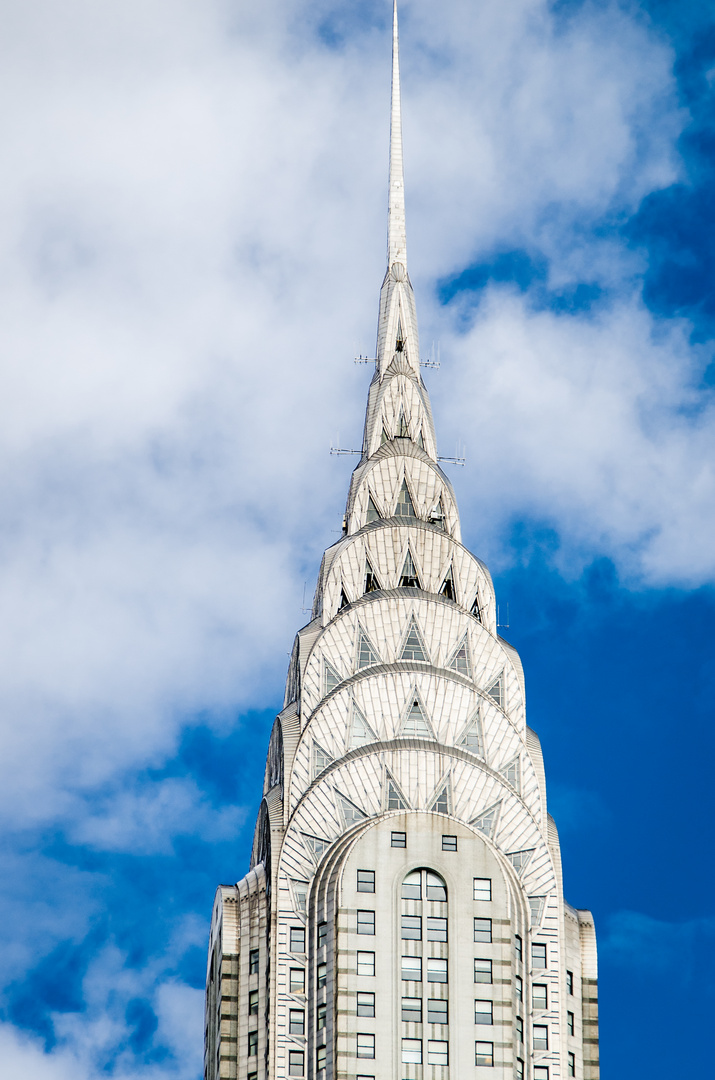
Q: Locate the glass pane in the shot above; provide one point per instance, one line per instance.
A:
(412, 927)
(436, 970)
(411, 886)
(436, 929)
(482, 929)
(436, 888)
(484, 1053)
(482, 888)
(296, 1022)
(538, 995)
(483, 1012)
(365, 1004)
(482, 971)
(412, 968)
(437, 1011)
(366, 963)
(412, 1051)
(437, 1052)
(412, 1010)
(366, 881)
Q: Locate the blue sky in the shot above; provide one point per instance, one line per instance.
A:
(193, 225)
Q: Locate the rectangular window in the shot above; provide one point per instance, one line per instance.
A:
(518, 947)
(519, 1069)
(412, 1010)
(253, 1003)
(482, 888)
(569, 982)
(541, 1072)
(541, 1037)
(412, 1051)
(436, 970)
(539, 996)
(483, 1012)
(570, 1023)
(252, 1043)
(322, 975)
(320, 1057)
(538, 955)
(437, 1011)
(484, 1053)
(398, 839)
(365, 1046)
(519, 1029)
(296, 981)
(366, 963)
(322, 1016)
(437, 1052)
(296, 1022)
(482, 971)
(366, 922)
(322, 934)
(253, 962)
(436, 929)
(366, 881)
(295, 1062)
(482, 929)
(519, 987)
(411, 927)
(297, 939)
(365, 1003)
(412, 968)
(449, 843)
(253, 1076)
(571, 1064)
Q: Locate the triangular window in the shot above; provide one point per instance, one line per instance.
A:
(471, 738)
(440, 804)
(373, 514)
(437, 517)
(476, 610)
(330, 677)
(536, 904)
(371, 582)
(460, 659)
(300, 894)
(384, 437)
(447, 588)
(403, 431)
(399, 340)
(408, 577)
(512, 772)
(321, 760)
(343, 600)
(350, 812)
(366, 655)
(496, 690)
(405, 506)
(486, 822)
(414, 648)
(394, 799)
(415, 723)
(420, 440)
(360, 731)
(520, 860)
(315, 845)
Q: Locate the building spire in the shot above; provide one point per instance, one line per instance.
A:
(396, 233)
(397, 341)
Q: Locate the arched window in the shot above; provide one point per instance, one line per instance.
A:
(424, 884)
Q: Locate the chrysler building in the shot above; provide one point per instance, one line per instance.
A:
(403, 917)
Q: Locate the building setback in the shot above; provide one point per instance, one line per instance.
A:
(403, 917)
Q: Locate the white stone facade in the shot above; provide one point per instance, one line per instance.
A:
(404, 916)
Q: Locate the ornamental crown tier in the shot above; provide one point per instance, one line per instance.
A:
(403, 916)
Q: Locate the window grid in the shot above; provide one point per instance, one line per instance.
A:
(483, 1012)
(482, 930)
(437, 1052)
(482, 888)
(484, 1053)
(412, 1010)
(398, 839)
(296, 1022)
(449, 843)
(365, 1045)
(296, 1059)
(436, 970)
(412, 968)
(412, 1051)
(539, 996)
(296, 981)
(366, 881)
(297, 939)
(482, 971)
(437, 1011)
(366, 923)
(365, 1003)
(541, 1037)
(366, 963)
(538, 955)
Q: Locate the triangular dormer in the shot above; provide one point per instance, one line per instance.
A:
(460, 660)
(366, 652)
(373, 514)
(408, 577)
(394, 798)
(447, 586)
(405, 507)
(414, 646)
(415, 723)
(360, 731)
(371, 582)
